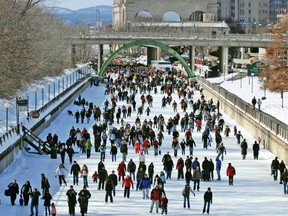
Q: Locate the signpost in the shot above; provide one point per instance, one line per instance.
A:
(255, 68)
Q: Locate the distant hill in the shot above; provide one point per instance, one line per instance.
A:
(84, 16)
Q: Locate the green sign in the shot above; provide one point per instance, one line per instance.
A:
(22, 102)
(255, 68)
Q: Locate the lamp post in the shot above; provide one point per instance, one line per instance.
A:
(54, 89)
(7, 105)
(98, 21)
(252, 77)
(42, 90)
(240, 80)
(224, 68)
(48, 91)
(35, 94)
(265, 80)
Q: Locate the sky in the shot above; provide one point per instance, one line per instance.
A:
(78, 4)
(254, 192)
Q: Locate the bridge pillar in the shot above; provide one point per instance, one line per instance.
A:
(73, 55)
(152, 54)
(224, 60)
(192, 58)
(100, 57)
(242, 51)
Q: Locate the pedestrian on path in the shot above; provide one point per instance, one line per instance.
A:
(256, 148)
(274, 168)
(230, 173)
(35, 201)
(207, 200)
(75, 170)
(60, 172)
(186, 194)
(71, 197)
(218, 168)
(47, 202)
(83, 199)
(155, 197)
(244, 147)
(13, 191)
(127, 183)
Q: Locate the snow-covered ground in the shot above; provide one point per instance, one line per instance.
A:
(254, 192)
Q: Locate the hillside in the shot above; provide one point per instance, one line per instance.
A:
(84, 16)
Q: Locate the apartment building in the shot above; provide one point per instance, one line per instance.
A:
(251, 13)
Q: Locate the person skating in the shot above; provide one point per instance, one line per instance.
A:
(155, 198)
(127, 183)
(25, 191)
(14, 190)
(256, 148)
(274, 168)
(208, 195)
(72, 200)
(109, 187)
(244, 147)
(83, 199)
(35, 201)
(186, 194)
(230, 173)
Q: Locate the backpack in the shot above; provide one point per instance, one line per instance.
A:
(183, 192)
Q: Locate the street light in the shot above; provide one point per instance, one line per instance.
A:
(264, 80)
(7, 105)
(49, 91)
(35, 92)
(252, 74)
(98, 21)
(42, 91)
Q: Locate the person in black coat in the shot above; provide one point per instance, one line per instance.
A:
(207, 200)
(83, 199)
(206, 166)
(63, 151)
(109, 186)
(14, 190)
(102, 177)
(75, 170)
(71, 196)
(114, 179)
(25, 191)
(35, 200)
(256, 149)
(45, 185)
(77, 116)
(47, 202)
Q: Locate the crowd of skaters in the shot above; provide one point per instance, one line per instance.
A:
(200, 115)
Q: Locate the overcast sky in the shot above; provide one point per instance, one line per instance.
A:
(78, 4)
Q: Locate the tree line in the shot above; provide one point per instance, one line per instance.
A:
(33, 45)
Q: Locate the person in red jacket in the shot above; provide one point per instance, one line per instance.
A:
(164, 204)
(146, 145)
(127, 183)
(121, 170)
(155, 197)
(230, 173)
(188, 134)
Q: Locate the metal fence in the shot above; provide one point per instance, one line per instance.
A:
(271, 123)
(42, 98)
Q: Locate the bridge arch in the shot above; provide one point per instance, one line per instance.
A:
(143, 15)
(171, 16)
(147, 43)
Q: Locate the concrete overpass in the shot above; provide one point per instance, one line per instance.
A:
(165, 40)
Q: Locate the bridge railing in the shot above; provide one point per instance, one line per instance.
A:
(275, 125)
(180, 35)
